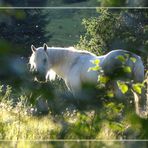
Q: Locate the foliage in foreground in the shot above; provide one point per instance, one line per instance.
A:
(110, 120)
(73, 144)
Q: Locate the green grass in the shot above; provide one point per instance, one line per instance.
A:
(18, 123)
(106, 121)
(66, 26)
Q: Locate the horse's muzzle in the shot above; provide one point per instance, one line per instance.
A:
(38, 76)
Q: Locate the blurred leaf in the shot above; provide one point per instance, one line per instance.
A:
(137, 87)
(110, 94)
(96, 62)
(133, 59)
(127, 55)
(118, 127)
(127, 69)
(121, 58)
(103, 79)
(94, 68)
(122, 86)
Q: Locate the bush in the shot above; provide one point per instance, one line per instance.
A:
(116, 29)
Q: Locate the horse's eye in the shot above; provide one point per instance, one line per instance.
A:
(44, 60)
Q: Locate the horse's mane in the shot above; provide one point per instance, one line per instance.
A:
(73, 49)
(80, 51)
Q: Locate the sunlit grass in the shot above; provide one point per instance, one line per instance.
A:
(20, 120)
(17, 125)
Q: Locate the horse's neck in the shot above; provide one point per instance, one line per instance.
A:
(60, 60)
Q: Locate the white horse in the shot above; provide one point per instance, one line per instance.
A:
(72, 65)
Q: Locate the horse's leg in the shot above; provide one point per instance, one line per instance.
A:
(69, 92)
(75, 86)
(68, 85)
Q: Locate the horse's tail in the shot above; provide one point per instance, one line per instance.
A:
(141, 100)
(138, 71)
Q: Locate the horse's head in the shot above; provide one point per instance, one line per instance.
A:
(39, 62)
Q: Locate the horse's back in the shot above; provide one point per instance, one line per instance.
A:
(117, 60)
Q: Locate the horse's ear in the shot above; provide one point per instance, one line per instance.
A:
(45, 46)
(33, 48)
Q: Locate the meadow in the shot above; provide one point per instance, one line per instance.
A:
(44, 114)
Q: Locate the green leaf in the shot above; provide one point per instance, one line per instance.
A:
(138, 87)
(96, 62)
(121, 58)
(103, 79)
(122, 86)
(127, 55)
(110, 94)
(133, 59)
(127, 69)
(96, 68)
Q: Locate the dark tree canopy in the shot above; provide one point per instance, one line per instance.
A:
(24, 27)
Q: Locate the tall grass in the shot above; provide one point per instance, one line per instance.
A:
(19, 120)
(16, 121)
